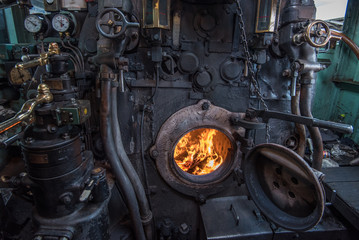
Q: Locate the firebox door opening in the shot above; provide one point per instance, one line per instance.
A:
(203, 155)
(202, 151)
(196, 151)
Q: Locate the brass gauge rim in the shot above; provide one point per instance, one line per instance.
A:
(19, 76)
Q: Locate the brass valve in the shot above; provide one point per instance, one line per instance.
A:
(318, 34)
(42, 60)
(25, 114)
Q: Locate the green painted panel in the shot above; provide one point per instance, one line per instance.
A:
(347, 106)
(337, 95)
(326, 91)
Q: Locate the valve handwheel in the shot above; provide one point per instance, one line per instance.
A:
(317, 34)
(112, 23)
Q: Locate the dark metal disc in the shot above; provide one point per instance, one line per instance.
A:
(284, 187)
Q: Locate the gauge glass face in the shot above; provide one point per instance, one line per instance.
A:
(266, 16)
(50, 1)
(33, 23)
(61, 23)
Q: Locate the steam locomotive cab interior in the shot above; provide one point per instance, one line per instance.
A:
(176, 119)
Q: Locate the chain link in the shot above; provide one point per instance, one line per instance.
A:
(248, 57)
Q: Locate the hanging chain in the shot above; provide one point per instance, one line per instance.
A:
(248, 57)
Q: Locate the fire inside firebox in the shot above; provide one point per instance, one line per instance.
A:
(202, 151)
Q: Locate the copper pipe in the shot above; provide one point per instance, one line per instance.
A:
(306, 97)
(299, 127)
(336, 35)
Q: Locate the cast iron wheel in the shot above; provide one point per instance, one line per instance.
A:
(112, 23)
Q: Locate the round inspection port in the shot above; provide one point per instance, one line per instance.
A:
(202, 151)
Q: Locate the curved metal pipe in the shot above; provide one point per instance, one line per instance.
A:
(76, 58)
(306, 97)
(145, 212)
(336, 35)
(299, 127)
(107, 138)
(79, 53)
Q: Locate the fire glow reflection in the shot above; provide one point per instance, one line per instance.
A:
(202, 151)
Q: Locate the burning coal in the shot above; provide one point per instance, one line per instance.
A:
(202, 151)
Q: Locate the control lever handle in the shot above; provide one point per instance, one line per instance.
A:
(42, 60)
(43, 96)
(308, 121)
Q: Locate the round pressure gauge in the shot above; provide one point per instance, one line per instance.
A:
(33, 23)
(62, 23)
(19, 76)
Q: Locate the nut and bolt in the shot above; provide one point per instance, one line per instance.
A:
(155, 153)
(287, 73)
(29, 140)
(205, 106)
(66, 200)
(184, 228)
(65, 136)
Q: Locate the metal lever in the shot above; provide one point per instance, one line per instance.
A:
(42, 60)
(43, 96)
(308, 121)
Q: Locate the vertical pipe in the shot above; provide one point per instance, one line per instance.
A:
(306, 97)
(145, 212)
(121, 177)
(299, 127)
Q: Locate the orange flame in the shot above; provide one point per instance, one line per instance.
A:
(202, 151)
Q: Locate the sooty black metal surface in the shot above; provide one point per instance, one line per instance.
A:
(342, 189)
(328, 228)
(239, 218)
(234, 218)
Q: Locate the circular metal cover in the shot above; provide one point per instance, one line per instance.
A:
(284, 187)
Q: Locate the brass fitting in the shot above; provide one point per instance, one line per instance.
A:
(42, 60)
(24, 115)
(318, 34)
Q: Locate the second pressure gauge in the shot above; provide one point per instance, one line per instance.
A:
(63, 23)
(35, 23)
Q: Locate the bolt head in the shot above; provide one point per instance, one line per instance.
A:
(184, 226)
(66, 200)
(205, 106)
(155, 153)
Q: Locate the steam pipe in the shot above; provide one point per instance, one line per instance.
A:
(306, 97)
(299, 127)
(145, 212)
(76, 58)
(107, 138)
(79, 53)
(336, 35)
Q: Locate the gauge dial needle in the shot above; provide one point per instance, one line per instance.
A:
(31, 22)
